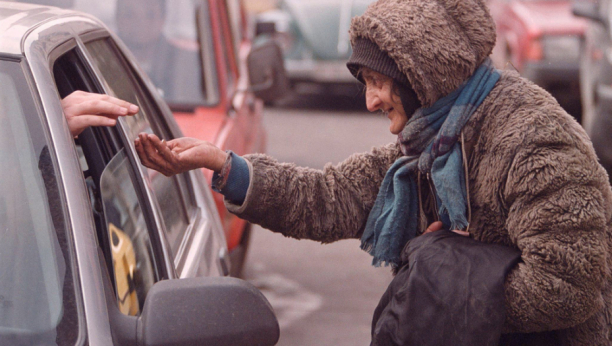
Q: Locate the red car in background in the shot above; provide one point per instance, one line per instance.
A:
(200, 56)
(235, 121)
(541, 39)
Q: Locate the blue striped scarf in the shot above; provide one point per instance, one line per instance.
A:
(429, 142)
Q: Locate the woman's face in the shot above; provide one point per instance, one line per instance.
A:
(380, 95)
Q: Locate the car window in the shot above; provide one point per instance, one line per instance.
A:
(119, 204)
(130, 242)
(38, 302)
(172, 193)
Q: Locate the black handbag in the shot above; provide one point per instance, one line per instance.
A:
(449, 291)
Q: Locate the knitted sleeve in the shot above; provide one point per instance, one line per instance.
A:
(233, 180)
(324, 205)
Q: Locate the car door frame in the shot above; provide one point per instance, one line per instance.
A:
(38, 46)
(205, 226)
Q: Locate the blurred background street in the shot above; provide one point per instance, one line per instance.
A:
(322, 294)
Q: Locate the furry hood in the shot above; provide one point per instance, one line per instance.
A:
(437, 44)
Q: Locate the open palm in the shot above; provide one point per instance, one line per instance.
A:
(178, 155)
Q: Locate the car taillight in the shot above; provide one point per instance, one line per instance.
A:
(534, 50)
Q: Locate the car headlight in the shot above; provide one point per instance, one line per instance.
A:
(561, 48)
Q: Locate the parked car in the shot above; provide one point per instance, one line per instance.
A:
(541, 40)
(207, 89)
(596, 77)
(314, 36)
(96, 249)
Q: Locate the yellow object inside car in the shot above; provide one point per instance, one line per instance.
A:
(124, 265)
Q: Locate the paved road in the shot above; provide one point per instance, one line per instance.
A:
(322, 294)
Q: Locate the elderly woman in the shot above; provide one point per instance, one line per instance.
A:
(481, 151)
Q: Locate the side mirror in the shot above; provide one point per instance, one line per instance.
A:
(587, 10)
(207, 311)
(219, 311)
(267, 73)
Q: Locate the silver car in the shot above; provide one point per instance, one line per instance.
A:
(92, 244)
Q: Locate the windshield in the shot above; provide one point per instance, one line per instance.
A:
(37, 297)
(162, 35)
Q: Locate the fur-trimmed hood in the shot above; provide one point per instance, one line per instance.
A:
(437, 44)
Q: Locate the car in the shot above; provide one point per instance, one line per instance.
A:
(96, 249)
(541, 40)
(207, 89)
(596, 76)
(314, 36)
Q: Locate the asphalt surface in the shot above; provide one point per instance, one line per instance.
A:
(321, 294)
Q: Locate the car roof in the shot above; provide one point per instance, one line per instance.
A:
(17, 19)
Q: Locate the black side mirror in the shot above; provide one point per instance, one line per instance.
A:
(207, 311)
(267, 73)
(219, 311)
(588, 10)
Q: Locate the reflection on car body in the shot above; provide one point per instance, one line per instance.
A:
(87, 251)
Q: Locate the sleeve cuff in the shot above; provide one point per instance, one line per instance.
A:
(233, 179)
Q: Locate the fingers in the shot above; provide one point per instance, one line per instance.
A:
(162, 148)
(93, 120)
(83, 109)
(463, 233)
(436, 226)
(149, 148)
(144, 158)
(79, 97)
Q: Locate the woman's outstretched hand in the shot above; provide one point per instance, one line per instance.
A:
(436, 226)
(178, 155)
(83, 109)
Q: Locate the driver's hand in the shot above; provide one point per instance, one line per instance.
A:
(83, 109)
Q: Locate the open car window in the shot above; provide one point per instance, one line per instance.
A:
(173, 195)
(130, 243)
(38, 300)
(123, 214)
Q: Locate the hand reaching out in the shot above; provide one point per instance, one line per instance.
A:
(436, 226)
(178, 155)
(83, 109)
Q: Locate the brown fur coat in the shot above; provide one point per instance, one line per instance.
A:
(534, 180)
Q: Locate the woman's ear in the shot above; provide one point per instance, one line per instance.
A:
(409, 98)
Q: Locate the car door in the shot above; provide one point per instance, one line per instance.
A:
(190, 219)
(40, 300)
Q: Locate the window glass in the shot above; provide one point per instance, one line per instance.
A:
(37, 296)
(128, 237)
(162, 34)
(170, 192)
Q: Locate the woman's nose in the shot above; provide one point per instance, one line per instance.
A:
(373, 102)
